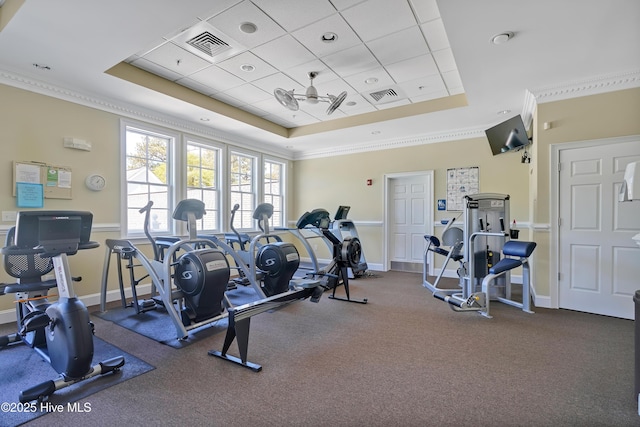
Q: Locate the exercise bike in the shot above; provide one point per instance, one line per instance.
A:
(60, 331)
(346, 254)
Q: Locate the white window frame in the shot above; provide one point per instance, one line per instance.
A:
(221, 182)
(173, 138)
(177, 177)
(283, 185)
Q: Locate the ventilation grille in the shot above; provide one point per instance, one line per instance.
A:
(209, 44)
(377, 96)
(387, 95)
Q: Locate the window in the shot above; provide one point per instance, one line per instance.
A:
(274, 190)
(203, 182)
(242, 188)
(165, 167)
(147, 174)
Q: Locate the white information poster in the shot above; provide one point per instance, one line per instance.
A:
(461, 182)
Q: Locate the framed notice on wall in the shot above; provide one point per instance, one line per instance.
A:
(461, 182)
(54, 180)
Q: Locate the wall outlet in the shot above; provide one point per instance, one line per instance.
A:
(9, 216)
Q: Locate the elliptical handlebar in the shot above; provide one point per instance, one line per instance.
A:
(147, 214)
(236, 232)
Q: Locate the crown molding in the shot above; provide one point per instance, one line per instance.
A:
(591, 86)
(134, 112)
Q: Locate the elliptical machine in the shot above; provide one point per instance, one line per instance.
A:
(199, 271)
(268, 264)
(60, 332)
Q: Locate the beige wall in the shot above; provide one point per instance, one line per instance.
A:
(602, 116)
(329, 182)
(33, 127)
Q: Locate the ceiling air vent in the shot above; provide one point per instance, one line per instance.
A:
(387, 95)
(207, 42)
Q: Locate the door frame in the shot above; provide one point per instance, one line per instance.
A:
(554, 205)
(428, 180)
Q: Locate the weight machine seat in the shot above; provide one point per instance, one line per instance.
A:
(435, 247)
(513, 248)
(518, 248)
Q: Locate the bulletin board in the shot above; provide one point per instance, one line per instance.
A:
(32, 180)
(461, 182)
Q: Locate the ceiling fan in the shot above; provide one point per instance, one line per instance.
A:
(290, 99)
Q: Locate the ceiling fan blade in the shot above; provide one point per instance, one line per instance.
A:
(335, 104)
(286, 98)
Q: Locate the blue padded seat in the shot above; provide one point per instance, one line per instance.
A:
(505, 264)
(518, 248)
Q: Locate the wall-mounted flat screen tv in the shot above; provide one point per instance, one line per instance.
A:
(508, 136)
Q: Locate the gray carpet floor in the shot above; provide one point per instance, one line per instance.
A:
(403, 359)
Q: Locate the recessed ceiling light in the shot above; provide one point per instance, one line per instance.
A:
(502, 37)
(503, 112)
(351, 103)
(247, 67)
(329, 37)
(371, 80)
(248, 27)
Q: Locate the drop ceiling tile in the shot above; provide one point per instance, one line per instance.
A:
(423, 86)
(248, 94)
(216, 78)
(344, 4)
(351, 61)
(445, 60)
(399, 46)
(311, 36)
(442, 93)
(176, 59)
(426, 10)
(356, 104)
(278, 80)
(453, 81)
(435, 34)
(234, 64)
(372, 19)
(413, 68)
(294, 14)
(219, 6)
(229, 23)
(358, 81)
(300, 73)
(284, 52)
(198, 87)
(154, 68)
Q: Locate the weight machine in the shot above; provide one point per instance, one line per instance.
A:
(484, 276)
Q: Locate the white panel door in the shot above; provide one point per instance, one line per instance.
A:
(599, 263)
(409, 215)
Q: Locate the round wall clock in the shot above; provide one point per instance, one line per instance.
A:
(95, 182)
